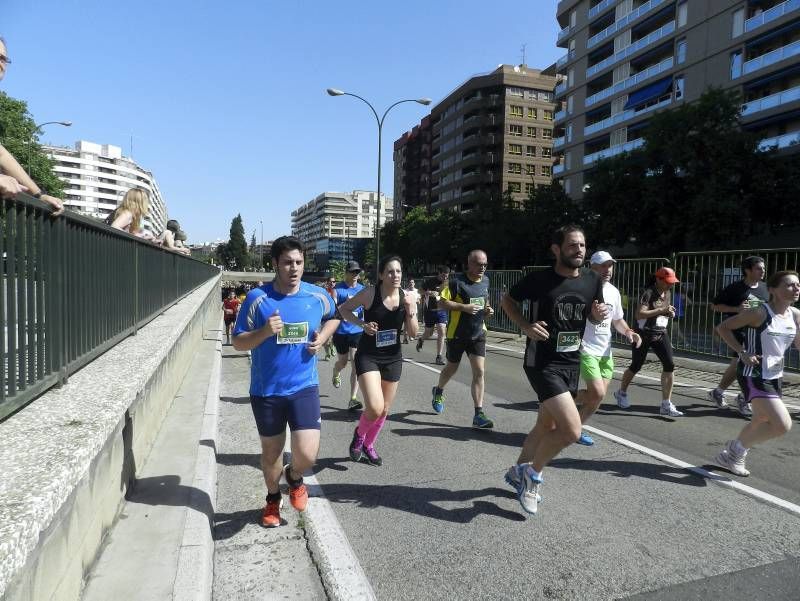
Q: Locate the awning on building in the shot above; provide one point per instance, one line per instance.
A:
(647, 93)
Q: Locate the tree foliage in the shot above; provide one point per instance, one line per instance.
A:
(234, 254)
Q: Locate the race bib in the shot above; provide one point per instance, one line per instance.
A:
(602, 327)
(293, 333)
(662, 321)
(567, 342)
(752, 303)
(385, 338)
(478, 302)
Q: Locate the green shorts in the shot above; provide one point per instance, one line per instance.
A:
(595, 368)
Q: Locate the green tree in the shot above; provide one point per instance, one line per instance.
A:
(236, 250)
(18, 136)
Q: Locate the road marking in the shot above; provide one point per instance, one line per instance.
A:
(712, 476)
(642, 376)
(422, 365)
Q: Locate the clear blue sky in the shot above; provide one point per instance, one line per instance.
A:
(226, 101)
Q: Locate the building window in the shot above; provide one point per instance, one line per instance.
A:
(514, 130)
(548, 115)
(681, 51)
(568, 132)
(515, 111)
(530, 151)
(532, 113)
(570, 104)
(515, 168)
(547, 153)
(531, 132)
(679, 83)
(530, 169)
(516, 92)
(515, 187)
(567, 185)
(683, 13)
(547, 134)
(515, 149)
(738, 23)
(529, 187)
(547, 170)
(570, 78)
(736, 64)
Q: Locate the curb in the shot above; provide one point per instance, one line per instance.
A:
(194, 579)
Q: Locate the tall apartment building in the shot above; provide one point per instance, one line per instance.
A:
(492, 133)
(96, 177)
(628, 58)
(334, 222)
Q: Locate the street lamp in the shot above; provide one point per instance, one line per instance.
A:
(379, 120)
(33, 133)
(261, 248)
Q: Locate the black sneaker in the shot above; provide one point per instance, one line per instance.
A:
(419, 344)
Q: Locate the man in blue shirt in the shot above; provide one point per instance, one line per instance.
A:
(282, 323)
(347, 336)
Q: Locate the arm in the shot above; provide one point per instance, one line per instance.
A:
(362, 299)
(535, 331)
(9, 187)
(247, 341)
(720, 308)
(752, 318)
(122, 220)
(320, 338)
(621, 326)
(10, 166)
(797, 323)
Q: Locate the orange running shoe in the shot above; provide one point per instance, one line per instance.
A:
(271, 518)
(298, 495)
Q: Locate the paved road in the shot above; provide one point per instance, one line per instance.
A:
(437, 521)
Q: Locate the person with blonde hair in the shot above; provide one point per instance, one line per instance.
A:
(130, 212)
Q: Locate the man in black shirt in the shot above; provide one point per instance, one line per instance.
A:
(561, 300)
(747, 293)
(434, 317)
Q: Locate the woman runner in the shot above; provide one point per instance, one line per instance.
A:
(769, 330)
(378, 359)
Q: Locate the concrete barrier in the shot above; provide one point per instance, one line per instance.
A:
(67, 459)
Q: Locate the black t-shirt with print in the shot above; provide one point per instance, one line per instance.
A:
(738, 292)
(651, 299)
(432, 284)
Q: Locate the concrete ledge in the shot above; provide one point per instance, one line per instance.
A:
(66, 459)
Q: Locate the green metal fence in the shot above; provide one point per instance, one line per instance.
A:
(73, 288)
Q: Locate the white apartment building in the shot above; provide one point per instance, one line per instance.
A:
(340, 215)
(96, 177)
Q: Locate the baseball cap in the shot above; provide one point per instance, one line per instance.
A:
(353, 266)
(668, 275)
(600, 257)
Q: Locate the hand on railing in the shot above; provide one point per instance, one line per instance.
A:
(9, 187)
(56, 203)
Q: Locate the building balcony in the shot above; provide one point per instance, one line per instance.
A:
(567, 57)
(641, 76)
(558, 169)
(560, 88)
(632, 49)
(771, 14)
(563, 34)
(559, 142)
(779, 142)
(621, 23)
(613, 151)
(598, 8)
(560, 115)
(770, 58)
(769, 102)
(622, 117)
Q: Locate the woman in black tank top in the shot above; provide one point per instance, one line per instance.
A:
(379, 360)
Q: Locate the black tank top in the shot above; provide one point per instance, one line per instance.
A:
(386, 343)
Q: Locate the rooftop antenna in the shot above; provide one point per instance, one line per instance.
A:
(524, 46)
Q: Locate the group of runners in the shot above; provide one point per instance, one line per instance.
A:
(568, 328)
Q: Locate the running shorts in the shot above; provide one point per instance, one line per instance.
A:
(434, 317)
(390, 368)
(553, 380)
(344, 342)
(300, 410)
(230, 319)
(596, 368)
(456, 347)
(756, 388)
(661, 346)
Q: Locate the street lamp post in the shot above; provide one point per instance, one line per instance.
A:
(261, 248)
(379, 120)
(33, 133)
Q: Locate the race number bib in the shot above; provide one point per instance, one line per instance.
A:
(293, 333)
(478, 302)
(567, 342)
(385, 338)
(662, 321)
(752, 303)
(603, 327)
(774, 364)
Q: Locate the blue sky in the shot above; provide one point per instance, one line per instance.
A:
(226, 101)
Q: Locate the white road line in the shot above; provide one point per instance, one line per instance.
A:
(713, 477)
(422, 365)
(641, 376)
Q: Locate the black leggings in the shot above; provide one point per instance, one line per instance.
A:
(661, 346)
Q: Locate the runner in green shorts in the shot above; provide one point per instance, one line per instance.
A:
(597, 364)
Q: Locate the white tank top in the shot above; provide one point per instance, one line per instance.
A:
(771, 340)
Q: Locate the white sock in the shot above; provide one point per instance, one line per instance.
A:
(738, 448)
(666, 402)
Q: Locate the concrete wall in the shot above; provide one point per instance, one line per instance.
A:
(66, 460)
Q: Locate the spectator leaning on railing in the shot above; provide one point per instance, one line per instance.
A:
(130, 212)
(169, 236)
(13, 178)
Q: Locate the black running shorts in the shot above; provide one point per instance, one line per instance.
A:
(553, 380)
(390, 368)
(456, 347)
(344, 342)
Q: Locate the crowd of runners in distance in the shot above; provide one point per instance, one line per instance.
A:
(568, 361)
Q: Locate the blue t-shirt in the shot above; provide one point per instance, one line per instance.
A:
(282, 365)
(344, 292)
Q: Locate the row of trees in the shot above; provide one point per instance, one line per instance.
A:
(698, 182)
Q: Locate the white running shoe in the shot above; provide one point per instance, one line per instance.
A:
(670, 410)
(718, 397)
(744, 408)
(623, 402)
(528, 489)
(512, 479)
(732, 461)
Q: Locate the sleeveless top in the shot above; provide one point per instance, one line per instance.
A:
(770, 340)
(386, 342)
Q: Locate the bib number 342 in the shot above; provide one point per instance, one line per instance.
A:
(567, 342)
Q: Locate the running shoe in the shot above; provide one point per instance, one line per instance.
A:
(298, 495)
(718, 397)
(337, 380)
(419, 344)
(439, 360)
(671, 410)
(271, 516)
(437, 402)
(623, 402)
(744, 407)
(357, 446)
(481, 422)
(354, 405)
(585, 440)
(512, 479)
(731, 460)
(372, 456)
(528, 489)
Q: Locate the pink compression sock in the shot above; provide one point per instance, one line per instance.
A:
(365, 424)
(372, 435)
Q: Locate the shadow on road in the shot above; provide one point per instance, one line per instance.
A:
(236, 400)
(167, 490)
(457, 432)
(628, 469)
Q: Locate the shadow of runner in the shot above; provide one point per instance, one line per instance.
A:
(627, 469)
(422, 501)
(458, 432)
(167, 490)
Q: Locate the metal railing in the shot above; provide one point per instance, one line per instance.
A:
(73, 288)
(776, 12)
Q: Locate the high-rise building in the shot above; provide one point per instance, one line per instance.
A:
(96, 177)
(626, 59)
(492, 133)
